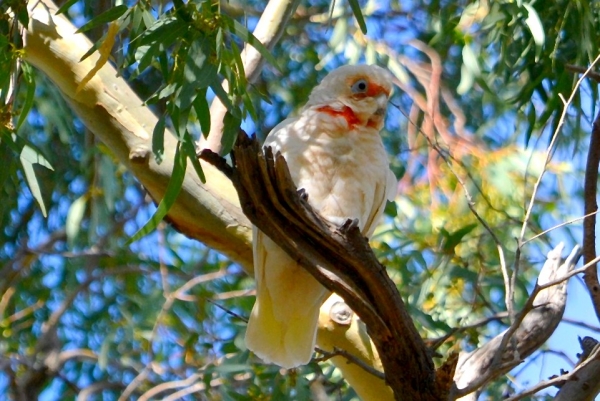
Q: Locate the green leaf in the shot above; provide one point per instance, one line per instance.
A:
(223, 96)
(91, 50)
(358, 14)
(451, 240)
(469, 70)
(29, 157)
(240, 31)
(391, 209)
(171, 193)
(30, 96)
(203, 113)
(105, 17)
(241, 74)
(158, 140)
(537, 29)
(231, 126)
(74, 218)
(63, 9)
(190, 151)
(156, 39)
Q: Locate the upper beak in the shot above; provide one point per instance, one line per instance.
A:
(382, 101)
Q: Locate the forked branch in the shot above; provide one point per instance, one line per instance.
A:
(533, 325)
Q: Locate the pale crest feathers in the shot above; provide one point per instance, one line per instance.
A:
(334, 151)
(334, 85)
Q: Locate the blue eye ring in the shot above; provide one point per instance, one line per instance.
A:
(360, 86)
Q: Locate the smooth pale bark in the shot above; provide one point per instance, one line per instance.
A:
(493, 359)
(340, 328)
(207, 212)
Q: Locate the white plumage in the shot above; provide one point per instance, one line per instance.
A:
(334, 151)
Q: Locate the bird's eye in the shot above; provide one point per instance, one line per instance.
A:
(360, 86)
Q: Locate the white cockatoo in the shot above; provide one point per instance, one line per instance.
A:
(334, 151)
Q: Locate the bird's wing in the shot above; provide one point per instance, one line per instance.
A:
(383, 192)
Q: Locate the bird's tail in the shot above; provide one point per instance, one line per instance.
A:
(283, 324)
(287, 343)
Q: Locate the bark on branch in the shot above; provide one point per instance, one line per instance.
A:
(533, 326)
(118, 117)
(589, 223)
(340, 258)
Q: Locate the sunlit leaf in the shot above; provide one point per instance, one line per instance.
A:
(243, 33)
(30, 95)
(74, 218)
(107, 16)
(104, 51)
(171, 193)
(536, 28)
(28, 158)
(358, 15)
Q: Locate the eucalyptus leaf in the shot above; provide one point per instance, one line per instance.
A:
(358, 15)
(106, 17)
(172, 191)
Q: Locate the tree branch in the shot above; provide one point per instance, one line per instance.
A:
(532, 327)
(341, 259)
(582, 383)
(590, 191)
(117, 116)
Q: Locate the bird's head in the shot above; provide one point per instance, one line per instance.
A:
(357, 93)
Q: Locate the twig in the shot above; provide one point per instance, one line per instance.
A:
(590, 74)
(566, 223)
(350, 358)
(170, 299)
(557, 380)
(228, 311)
(536, 186)
(532, 326)
(581, 324)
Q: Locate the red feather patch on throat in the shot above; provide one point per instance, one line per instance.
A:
(345, 112)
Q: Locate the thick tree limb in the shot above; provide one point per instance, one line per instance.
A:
(589, 223)
(532, 327)
(341, 259)
(117, 116)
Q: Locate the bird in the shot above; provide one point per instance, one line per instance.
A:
(334, 152)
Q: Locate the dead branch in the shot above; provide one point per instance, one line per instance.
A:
(532, 327)
(340, 258)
